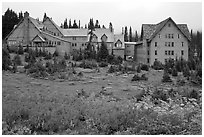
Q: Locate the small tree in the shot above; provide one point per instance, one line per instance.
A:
(103, 52)
(20, 50)
(66, 56)
(55, 54)
(17, 60)
(5, 59)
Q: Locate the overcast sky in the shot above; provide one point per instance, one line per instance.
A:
(121, 13)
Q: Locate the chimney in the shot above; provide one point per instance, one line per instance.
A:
(26, 14)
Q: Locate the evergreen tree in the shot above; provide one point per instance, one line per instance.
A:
(85, 26)
(103, 27)
(91, 24)
(136, 36)
(70, 23)
(44, 17)
(65, 24)
(103, 52)
(9, 19)
(111, 27)
(61, 26)
(126, 35)
(130, 34)
(6, 62)
(97, 24)
(20, 16)
(75, 24)
(79, 24)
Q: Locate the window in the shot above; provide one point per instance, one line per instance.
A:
(172, 52)
(155, 59)
(148, 52)
(182, 44)
(54, 34)
(75, 44)
(55, 42)
(169, 52)
(172, 44)
(165, 52)
(169, 36)
(178, 36)
(165, 60)
(72, 44)
(58, 43)
(172, 36)
(165, 35)
(155, 52)
(82, 44)
(147, 60)
(155, 44)
(169, 44)
(182, 52)
(74, 38)
(169, 25)
(165, 43)
(159, 35)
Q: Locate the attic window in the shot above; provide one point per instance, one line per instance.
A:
(169, 25)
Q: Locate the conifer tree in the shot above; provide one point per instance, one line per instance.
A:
(65, 24)
(126, 34)
(130, 34)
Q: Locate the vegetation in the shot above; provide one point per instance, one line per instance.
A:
(6, 62)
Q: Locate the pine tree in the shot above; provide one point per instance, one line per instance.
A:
(20, 16)
(79, 24)
(65, 24)
(130, 34)
(103, 51)
(91, 25)
(45, 17)
(75, 24)
(136, 37)
(111, 27)
(97, 24)
(126, 35)
(103, 27)
(70, 23)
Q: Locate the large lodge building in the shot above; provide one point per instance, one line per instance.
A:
(158, 41)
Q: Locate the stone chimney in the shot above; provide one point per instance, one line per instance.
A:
(26, 14)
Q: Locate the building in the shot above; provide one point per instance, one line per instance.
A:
(163, 41)
(48, 35)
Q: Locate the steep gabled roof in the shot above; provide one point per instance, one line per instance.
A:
(149, 31)
(100, 32)
(38, 38)
(56, 26)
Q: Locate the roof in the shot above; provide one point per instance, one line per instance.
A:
(149, 31)
(119, 37)
(100, 32)
(75, 32)
(56, 26)
(54, 36)
(37, 23)
(38, 38)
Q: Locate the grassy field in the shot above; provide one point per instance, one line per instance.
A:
(39, 106)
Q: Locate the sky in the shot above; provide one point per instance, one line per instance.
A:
(121, 12)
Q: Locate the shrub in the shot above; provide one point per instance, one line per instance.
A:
(194, 94)
(138, 69)
(145, 67)
(111, 69)
(103, 64)
(186, 71)
(17, 60)
(48, 56)
(6, 62)
(88, 64)
(199, 70)
(20, 50)
(160, 94)
(55, 54)
(166, 77)
(143, 77)
(66, 56)
(174, 72)
(13, 49)
(157, 65)
(135, 78)
(110, 58)
(37, 70)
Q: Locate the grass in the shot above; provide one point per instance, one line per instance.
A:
(50, 107)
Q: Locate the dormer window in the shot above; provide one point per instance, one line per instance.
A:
(104, 37)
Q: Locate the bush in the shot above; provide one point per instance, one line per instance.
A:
(17, 60)
(103, 64)
(20, 50)
(174, 72)
(135, 78)
(160, 94)
(166, 77)
(13, 49)
(48, 56)
(110, 58)
(37, 70)
(138, 69)
(88, 64)
(111, 69)
(157, 65)
(6, 62)
(186, 71)
(66, 56)
(55, 54)
(143, 77)
(145, 67)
